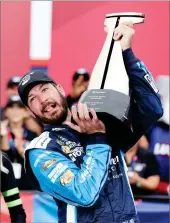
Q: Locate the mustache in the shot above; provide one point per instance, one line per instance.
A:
(47, 103)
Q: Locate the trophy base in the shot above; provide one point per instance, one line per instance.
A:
(112, 107)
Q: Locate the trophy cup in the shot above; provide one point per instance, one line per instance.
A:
(108, 90)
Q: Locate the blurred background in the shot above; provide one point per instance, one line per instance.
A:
(65, 39)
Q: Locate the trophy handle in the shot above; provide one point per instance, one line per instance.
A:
(112, 75)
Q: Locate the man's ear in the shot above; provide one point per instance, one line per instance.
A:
(61, 90)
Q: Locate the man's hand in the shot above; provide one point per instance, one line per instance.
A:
(85, 124)
(125, 32)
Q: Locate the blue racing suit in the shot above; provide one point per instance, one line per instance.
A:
(84, 170)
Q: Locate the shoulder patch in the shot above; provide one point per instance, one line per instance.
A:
(40, 142)
(150, 80)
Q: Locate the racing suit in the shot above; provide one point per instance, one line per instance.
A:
(81, 170)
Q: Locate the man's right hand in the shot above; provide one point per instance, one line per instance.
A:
(86, 124)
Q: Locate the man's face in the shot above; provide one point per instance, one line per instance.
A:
(47, 104)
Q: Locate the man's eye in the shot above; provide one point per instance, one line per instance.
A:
(31, 100)
(44, 89)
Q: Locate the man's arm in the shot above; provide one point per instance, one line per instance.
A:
(62, 179)
(146, 107)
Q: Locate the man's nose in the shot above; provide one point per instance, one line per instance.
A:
(42, 99)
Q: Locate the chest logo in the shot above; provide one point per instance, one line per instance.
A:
(66, 149)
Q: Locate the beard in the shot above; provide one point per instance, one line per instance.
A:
(59, 119)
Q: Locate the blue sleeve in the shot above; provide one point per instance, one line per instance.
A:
(146, 107)
(62, 179)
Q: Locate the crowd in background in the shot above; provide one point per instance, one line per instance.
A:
(147, 161)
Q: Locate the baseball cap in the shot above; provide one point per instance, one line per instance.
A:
(14, 100)
(29, 80)
(81, 71)
(13, 81)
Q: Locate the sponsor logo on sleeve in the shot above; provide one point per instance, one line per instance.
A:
(89, 167)
(150, 80)
(66, 177)
(57, 171)
(48, 164)
(40, 157)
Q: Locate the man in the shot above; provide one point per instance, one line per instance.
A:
(79, 85)
(143, 170)
(10, 190)
(72, 162)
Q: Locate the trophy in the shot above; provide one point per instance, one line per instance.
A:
(108, 90)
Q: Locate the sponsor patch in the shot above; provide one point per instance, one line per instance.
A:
(48, 164)
(55, 173)
(40, 157)
(66, 177)
(129, 221)
(57, 129)
(43, 141)
(150, 80)
(89, 167)
(66, 149)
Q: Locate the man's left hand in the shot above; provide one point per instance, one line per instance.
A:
(124, 32)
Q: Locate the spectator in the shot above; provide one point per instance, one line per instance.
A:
(10, 191)
(159, 138)
(143, 170)
(11, 90)
(15, 137)
(79, 85)
(29, 121)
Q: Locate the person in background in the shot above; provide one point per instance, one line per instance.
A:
(80, 83)
(15, 137)
(159, 137)
(143, 169)
(10, 190)
(12, 86)
(11, 90)
(29, 121)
